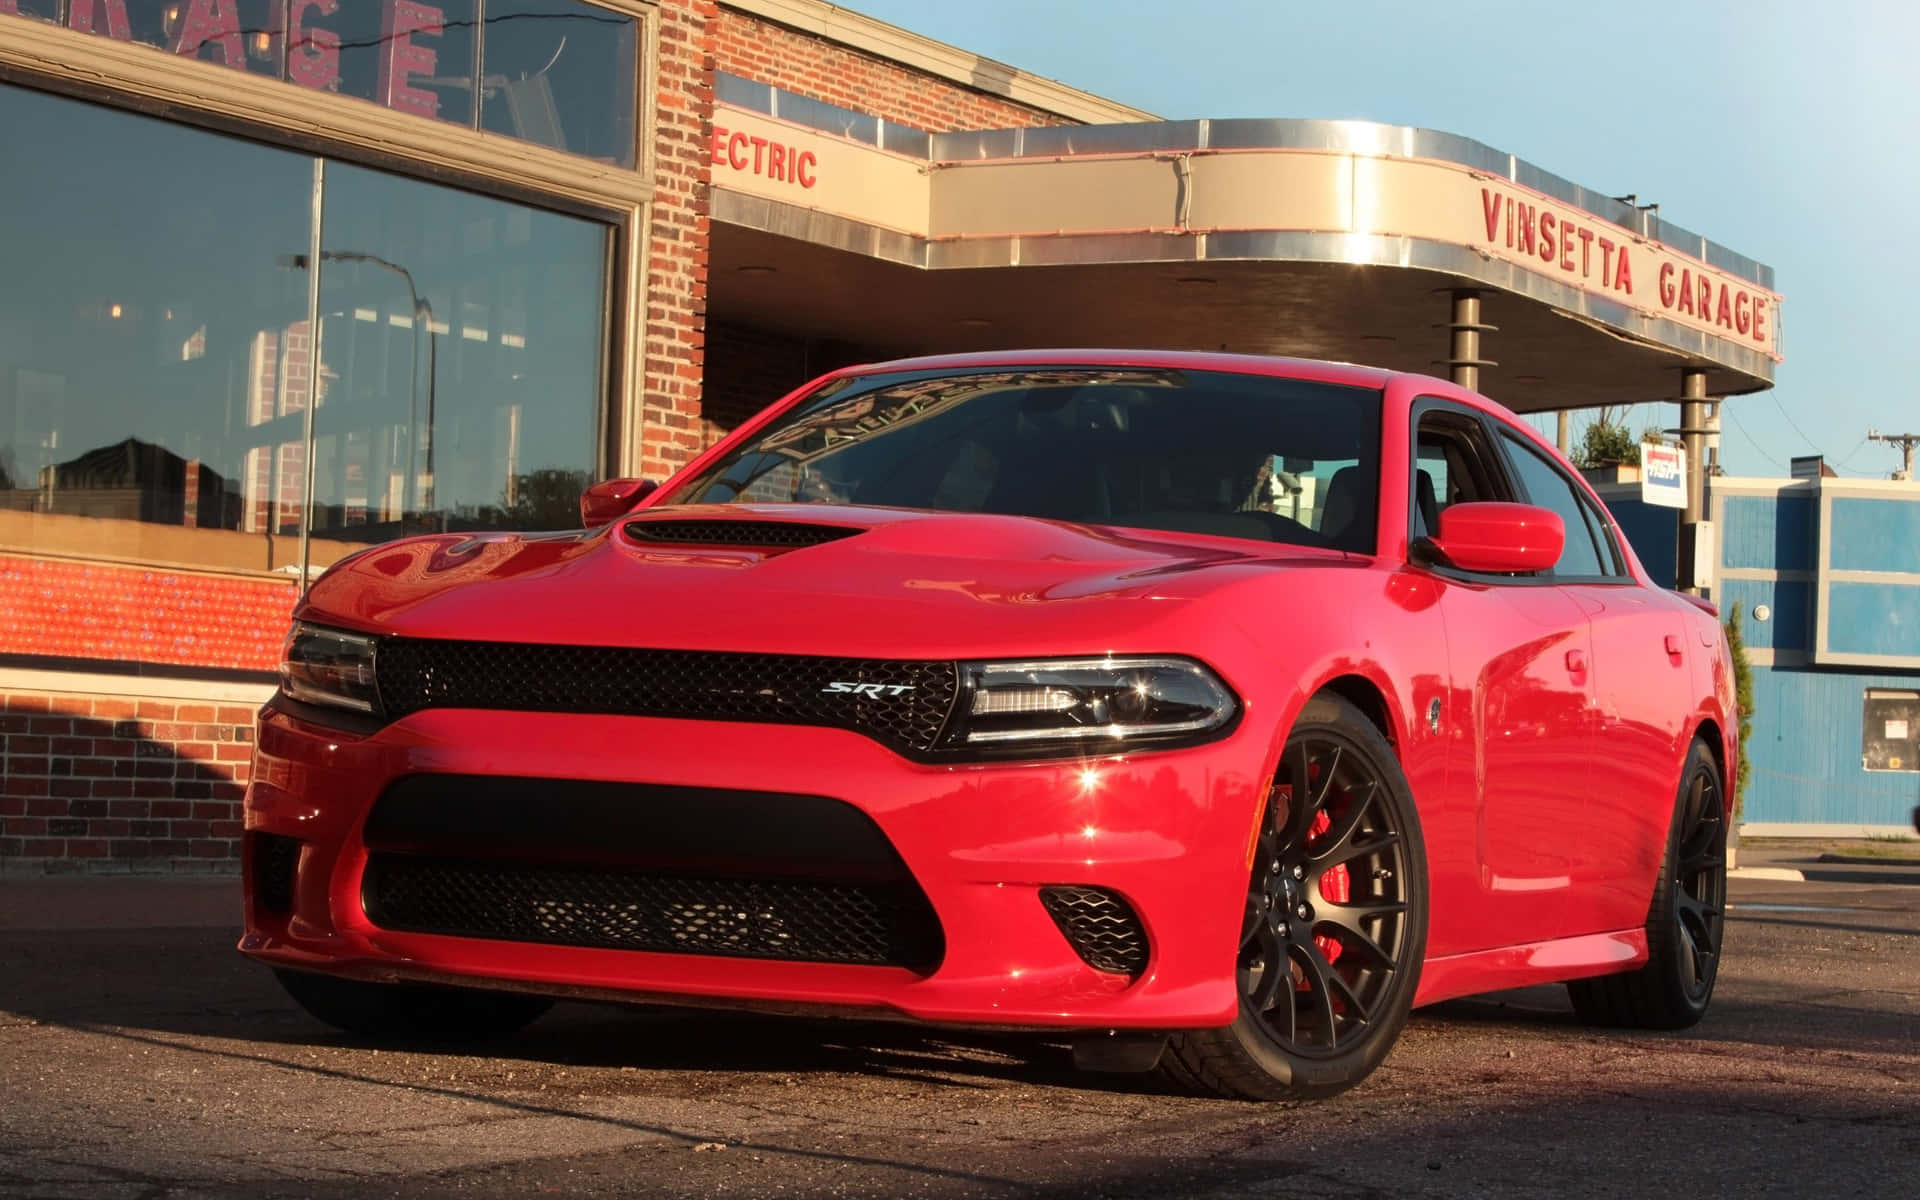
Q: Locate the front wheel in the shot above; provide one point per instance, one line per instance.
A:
(410, 1011)
(1335, 926)
(1684, 923)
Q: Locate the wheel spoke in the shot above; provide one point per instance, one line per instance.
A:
(1354, 938)
(1338, 838)
(1318, 973)
(1299, 814)
(1275, 978)
(1323, 863)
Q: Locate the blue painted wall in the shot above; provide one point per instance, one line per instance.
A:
(1806, 748)
(1805, 751)
(1788, 627)
(1875, 535)
(1769, 533)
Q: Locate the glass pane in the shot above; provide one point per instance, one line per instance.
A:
(463, 349)
(1247, 456)
(45, 10)
(406, 55)
(561, 73)
(152, 333)
(1547, 488)
(242, 34)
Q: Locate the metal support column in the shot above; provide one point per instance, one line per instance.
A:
(1464, 361)
(1563, 437)
(1693, 435)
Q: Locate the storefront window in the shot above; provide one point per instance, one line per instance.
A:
(559, 73)
(462, 340)
(156, 352)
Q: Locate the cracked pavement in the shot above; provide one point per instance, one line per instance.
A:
(153, 1063)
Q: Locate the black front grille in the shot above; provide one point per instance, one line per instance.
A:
(1101, 927)
(877, 924)
(901, 704)
(772, 534)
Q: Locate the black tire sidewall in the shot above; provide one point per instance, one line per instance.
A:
(1334, 718)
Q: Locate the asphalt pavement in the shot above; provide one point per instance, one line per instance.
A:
(141, 1057)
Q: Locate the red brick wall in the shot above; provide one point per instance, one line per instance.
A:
(800, 62)
(672, 430)
(94, 784)
(61, 608)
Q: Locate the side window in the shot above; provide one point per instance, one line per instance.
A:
(1549, 489)
(1452, 464)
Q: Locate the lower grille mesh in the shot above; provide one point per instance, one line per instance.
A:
(1102, 928)
(881, 924)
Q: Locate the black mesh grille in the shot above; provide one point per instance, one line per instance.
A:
(902, 704)
(275, 859)
(880, 924)
(1101, 927)
(737, 533)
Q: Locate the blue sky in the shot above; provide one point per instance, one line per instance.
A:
(1788, 131)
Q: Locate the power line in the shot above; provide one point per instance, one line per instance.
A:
(1727, 415)
(1783, 412)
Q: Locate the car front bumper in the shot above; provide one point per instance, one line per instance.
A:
(1168, 831)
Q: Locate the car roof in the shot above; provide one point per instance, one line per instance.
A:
(1249, 364)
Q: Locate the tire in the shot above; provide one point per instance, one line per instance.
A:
(1335, 928)
(1685, 922)
(411, 1012)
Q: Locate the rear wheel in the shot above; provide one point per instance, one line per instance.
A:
(1335, 925)
(1685, 922)
(410, 1012)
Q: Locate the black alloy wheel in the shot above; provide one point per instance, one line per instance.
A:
(1334, 930)
(1686, 921)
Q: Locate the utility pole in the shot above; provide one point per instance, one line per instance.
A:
(1906, 442)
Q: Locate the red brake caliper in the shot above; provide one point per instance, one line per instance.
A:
(1336, 887)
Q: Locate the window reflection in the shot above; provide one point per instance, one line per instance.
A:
(156, 354)
(461, 351)
(560, 73)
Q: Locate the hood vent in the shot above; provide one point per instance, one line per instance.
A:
(781, 534)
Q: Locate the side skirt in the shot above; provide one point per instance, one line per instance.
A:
(1537, 962)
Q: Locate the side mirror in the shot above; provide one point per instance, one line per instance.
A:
(1497, 536)
(612, 498)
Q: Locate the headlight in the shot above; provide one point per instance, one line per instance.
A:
(1087, 704)
(329, 666)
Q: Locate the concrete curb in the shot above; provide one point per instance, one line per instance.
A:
(1776, 874)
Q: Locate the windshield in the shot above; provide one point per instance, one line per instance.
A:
(1190, 451)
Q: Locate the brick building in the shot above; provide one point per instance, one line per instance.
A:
(286, 278)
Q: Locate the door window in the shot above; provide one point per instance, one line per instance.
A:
(1547, 487)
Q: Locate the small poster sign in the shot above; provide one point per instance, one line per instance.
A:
(1663, 475)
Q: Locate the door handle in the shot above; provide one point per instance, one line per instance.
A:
(1577, 662)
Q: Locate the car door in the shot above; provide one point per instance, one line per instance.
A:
(1519, 651)
(1641, 671)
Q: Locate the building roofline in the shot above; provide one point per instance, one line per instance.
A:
(910, 49)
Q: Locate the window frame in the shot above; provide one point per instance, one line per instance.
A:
(1606, 546)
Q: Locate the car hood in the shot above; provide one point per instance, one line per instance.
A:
(803, 578)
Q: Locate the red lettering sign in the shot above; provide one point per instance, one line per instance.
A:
(313, 55)
(216, 21)
(401, 56)
(80, 17)
(770, 159)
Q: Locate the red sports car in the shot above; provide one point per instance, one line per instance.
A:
(1209, 710)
